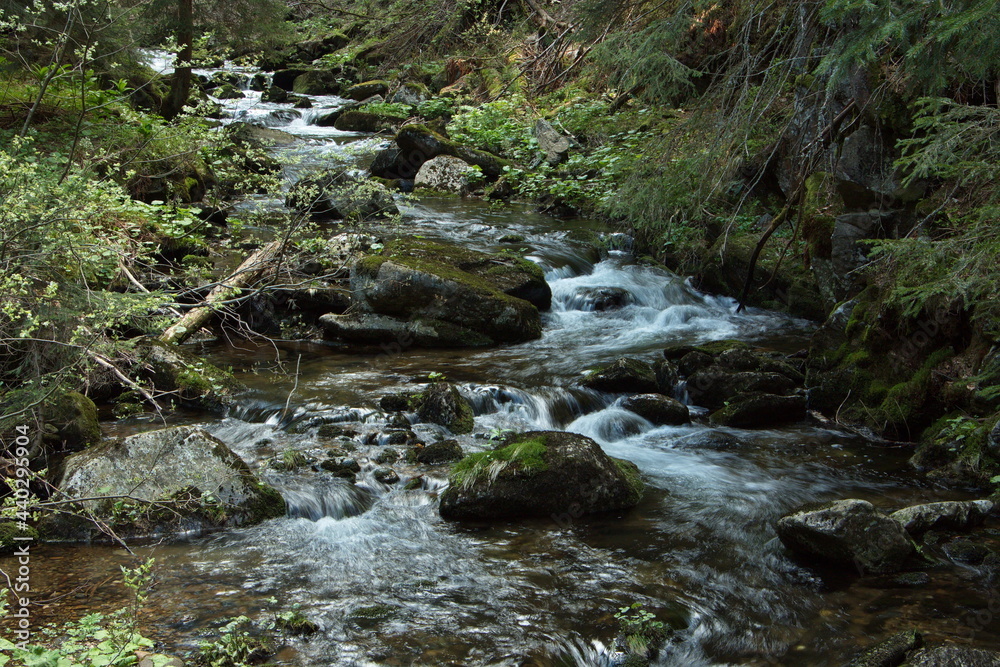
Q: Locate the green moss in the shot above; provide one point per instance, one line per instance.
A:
(191, 381)
(10, 530)
(631, 474)
(267, 503)
(527, 455)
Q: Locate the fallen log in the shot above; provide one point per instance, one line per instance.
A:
(245, 275)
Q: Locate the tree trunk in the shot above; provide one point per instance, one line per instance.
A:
(248, 272)
(180, 88)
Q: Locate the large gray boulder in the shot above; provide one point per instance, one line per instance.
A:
(495, 296)
(444, 173)
(848, 532)
(540, 473)
(554, 145)
(951, 515)
(202, 484)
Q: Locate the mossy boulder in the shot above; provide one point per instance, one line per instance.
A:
(542, 474)
(228, 91)
(758, 410)
(366, 89)
(444, 174)
(622, 376)
(492, 295)
(71, 422)
(365, 121)
(442, 403)
(317, 82)
(851, 533)
(418, 144)
(953, 655)
(657, 409)
(445, 451)
(194, 381)
(383, 330)
(200, 483)
(714, 387)
(13, 535)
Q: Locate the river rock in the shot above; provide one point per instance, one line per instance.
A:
(554, 145)
(623, 376)
(209, 485)
(274, 94)
(336, 195)
(258, 136)
(228, 91)
(667, 377)
(317, 82)
(889, 652)
(365, 121)
(192, 380)
(658, 409)
(330, 119)
(71, 423)
(362, 91)
(952, 655)
(441, 403)
(386, 476)
(409, 93)
(419, 144)
(714, 386)
(444, 173)
(952, 515)
(494, 295)
(285, 78)
(390, 332)
(541, 473)
(599, 299)
(848, 532)
(440, 452)
(393, 164)
(759, 410)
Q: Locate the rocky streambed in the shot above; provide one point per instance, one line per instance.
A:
(632, 440)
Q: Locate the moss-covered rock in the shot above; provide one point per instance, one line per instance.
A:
(366, 89)
(421, 280)
(889, 652)
(172, 481)
(622, 376)
(440, 452)
(540, 473)
(759, 410)
(13, 535)
(71, 421)
(336, 195)
(365, 121)
(194, 381)
(441, 403)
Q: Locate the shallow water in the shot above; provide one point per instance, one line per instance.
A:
(391, 583)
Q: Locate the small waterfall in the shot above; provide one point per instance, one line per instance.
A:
(335, 498)
(545, 408)
(610, 425)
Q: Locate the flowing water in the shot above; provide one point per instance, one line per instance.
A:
(391, 583)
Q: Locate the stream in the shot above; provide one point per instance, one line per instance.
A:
(391, 583)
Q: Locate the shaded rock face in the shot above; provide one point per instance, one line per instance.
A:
(953, 515)
(393, 163)
(852, 533)
(951, 655)
(761, 410)
(658, 409)
(491, 295)
(441, 403)
(210, 486)
(622, 376)
(540, 473)
(444, 173)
